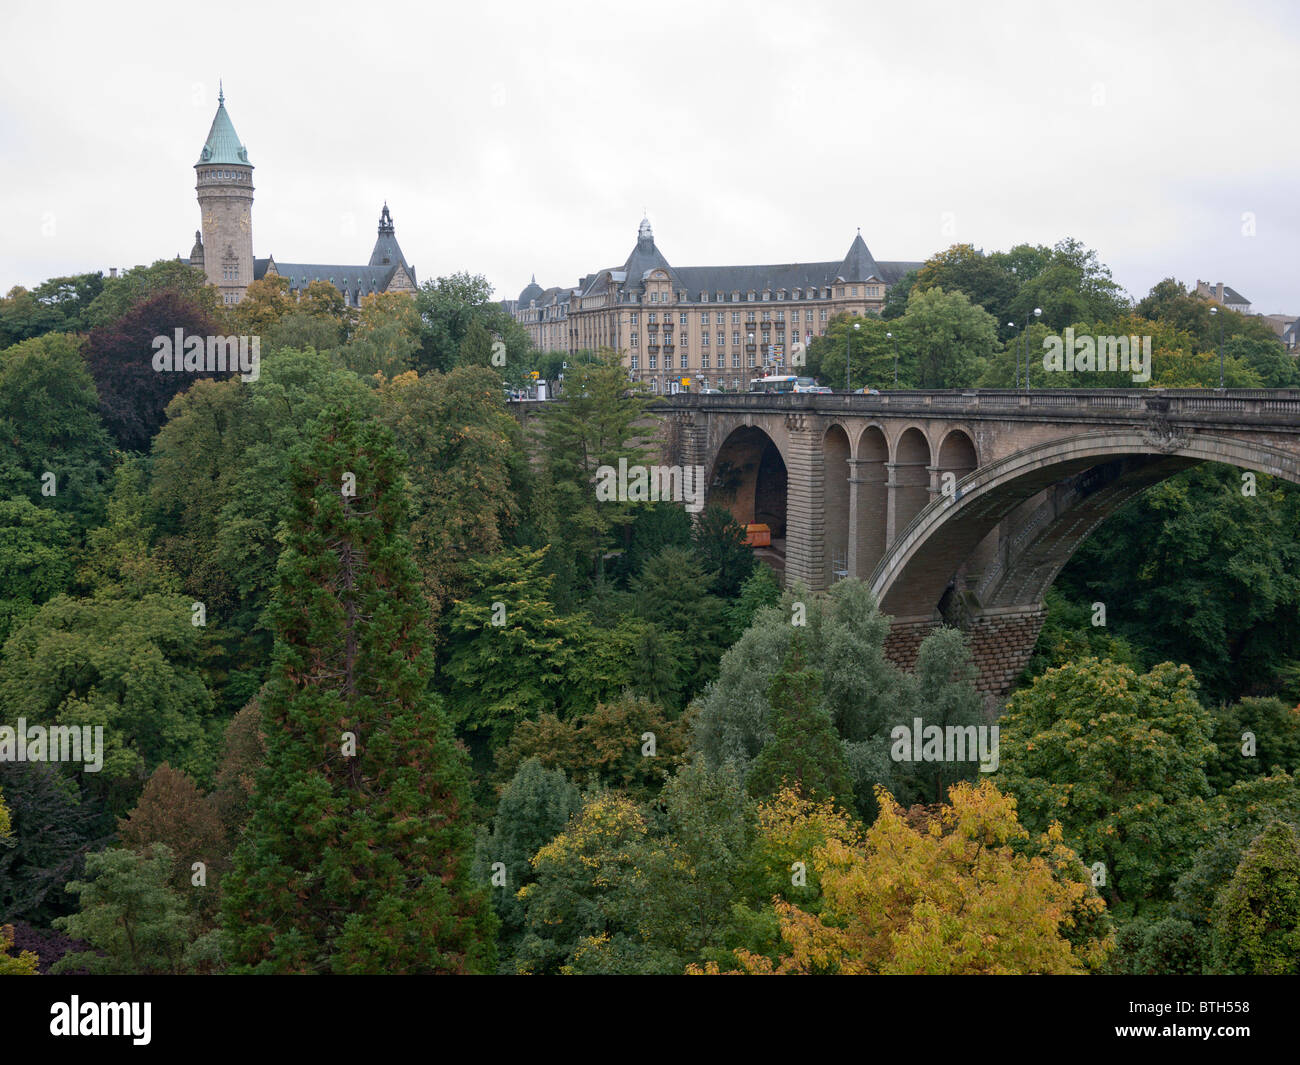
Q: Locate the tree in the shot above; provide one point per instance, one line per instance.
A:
(59, 305)
(242, 753)
(986, 280)
(596, 425)
(672, 594)
(1256, 920)
(510, 654)
(24, 964)
(1119, 760)
(967, 892)
(131, 666)
(119, 561)
(35, 562)
(1207, 575)
(357, 855)
(945, 678)
(805, 751)
(118, 295)
(129, 914)
(120, 355)
(947, 340)
(462, 449)
(535, 807)
(53, 830)
(173, 811)
(720, 542)
(627, 744)
(387, 335)
(49, 425)
(449, 306)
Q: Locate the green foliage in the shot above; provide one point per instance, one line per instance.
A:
(35, 559)
(1256, 919)
(450, 308)
(596, 425)
(49, 423)
(53, 828)
(672, 593)
(535, 807)
(805, 752)
(132, 666)
(135, 921)
(653, 527)
(1194, 571)
(510, 654)
(1119, 761)
(354, 860)
(760, 589)
(1274, 741)
(720, 542)
(58, 305)
(140, 283)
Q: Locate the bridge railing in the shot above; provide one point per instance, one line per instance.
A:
(1166, 402)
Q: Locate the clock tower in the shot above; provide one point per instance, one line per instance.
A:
(225, 189)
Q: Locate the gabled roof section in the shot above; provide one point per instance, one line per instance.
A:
(645, 257)
(222, 145)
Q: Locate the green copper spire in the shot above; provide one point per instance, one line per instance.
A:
(222, 145)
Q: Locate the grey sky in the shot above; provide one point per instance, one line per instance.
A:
(513, 138)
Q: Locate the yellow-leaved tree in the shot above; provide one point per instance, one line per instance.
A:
(961, 890)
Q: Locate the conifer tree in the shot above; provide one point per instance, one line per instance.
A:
(357, 857)
(806, 751)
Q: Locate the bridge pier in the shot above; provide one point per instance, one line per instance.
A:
(805, 508)
(1001, 641)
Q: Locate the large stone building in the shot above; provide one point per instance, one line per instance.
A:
(223, 249)
(719, 326)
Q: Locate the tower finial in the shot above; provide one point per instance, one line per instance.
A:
(221, 93)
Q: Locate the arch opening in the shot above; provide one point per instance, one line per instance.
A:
(749, 478)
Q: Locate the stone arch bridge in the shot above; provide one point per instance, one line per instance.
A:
(961, 506)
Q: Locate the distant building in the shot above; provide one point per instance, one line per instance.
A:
(1223, 295)
(1291, 337)
(717, 325)
(223, 248)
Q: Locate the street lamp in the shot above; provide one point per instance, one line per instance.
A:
(1012, 325)
(1038, 313)
(847, 386)
(895, 340)
(1215, 312)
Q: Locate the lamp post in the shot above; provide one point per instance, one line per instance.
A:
(1215, 312)
(848, 387)
(895, 340)
(751, 345)
(1012, 325)
(1038, 313)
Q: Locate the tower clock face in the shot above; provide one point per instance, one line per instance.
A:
(243, 224)
(209, 220)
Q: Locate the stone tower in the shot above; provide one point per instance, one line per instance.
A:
(225, 188)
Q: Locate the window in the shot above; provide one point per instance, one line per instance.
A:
(704, 297)
(683, 363)
(635, 341)
(823, 318)
(749, 318)
(767, 316)
(704, 340)
(767, 295)
(682, 320)
(751, 360)
(634, 362)
(654, 362)
(807, 315)
(855, 290)
(633, 317)
(735, 318)
(652, 318)
(735, 360)
(722, 338)
(735, 339)
(654, 297)
(780, 317)
(704, 361)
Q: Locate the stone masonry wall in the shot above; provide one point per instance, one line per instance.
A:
(1001, 645)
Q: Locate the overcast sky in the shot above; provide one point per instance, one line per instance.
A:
(513, 138)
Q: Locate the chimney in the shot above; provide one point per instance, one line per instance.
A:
(112, 271)
(1218, 290)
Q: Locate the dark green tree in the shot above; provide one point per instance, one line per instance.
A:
(358, 854)
(1256, 919)
(805, 751)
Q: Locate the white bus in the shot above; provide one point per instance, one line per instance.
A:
(782, 383)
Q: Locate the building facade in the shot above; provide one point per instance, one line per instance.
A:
(223, 248)
(714, 326)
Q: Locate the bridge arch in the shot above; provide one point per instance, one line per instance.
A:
(1055, 494)
(910, 470)
(836, 471)
(870, 533)
(748, 475)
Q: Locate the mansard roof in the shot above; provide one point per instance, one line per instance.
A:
(366, 278)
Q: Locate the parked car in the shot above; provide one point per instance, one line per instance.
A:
(821, 390)
(710, 391)
(866, 391)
